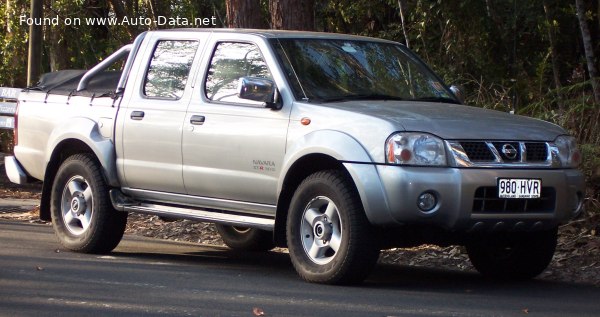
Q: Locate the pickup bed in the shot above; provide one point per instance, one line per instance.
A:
(334, 146)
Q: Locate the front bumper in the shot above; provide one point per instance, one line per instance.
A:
(461, 206)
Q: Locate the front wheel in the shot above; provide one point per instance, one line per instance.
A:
(516, 256)
(329, 237)
(82, 215)
(248, 239)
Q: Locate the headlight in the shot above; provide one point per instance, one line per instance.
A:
(414, 148)
(567, 151)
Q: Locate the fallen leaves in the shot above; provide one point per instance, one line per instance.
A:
(180, 230)
(575, 260)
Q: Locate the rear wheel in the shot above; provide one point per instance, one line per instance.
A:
(242, 238)
(516, 256)
(329, 237)
(82, 215)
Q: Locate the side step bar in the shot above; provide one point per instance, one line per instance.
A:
(124, 203)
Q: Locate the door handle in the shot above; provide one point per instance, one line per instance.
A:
(197, 120)
(137, 115)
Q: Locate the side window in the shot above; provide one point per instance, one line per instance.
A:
(169, 69)
(231, 61)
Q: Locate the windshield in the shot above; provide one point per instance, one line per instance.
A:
(338, 70)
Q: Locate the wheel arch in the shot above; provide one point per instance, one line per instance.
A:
(302, 168)
(323, 150)
(82, 136)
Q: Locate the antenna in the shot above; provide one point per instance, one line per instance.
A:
(293, 70)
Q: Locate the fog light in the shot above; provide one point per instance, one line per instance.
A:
(427, 201)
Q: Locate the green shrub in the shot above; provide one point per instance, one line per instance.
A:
(6, 141)
(591, 168)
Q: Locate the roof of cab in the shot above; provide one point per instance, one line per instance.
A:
(280, 34)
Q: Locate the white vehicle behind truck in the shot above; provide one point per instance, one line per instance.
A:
(334, 146)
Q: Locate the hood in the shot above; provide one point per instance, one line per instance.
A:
(454, 122)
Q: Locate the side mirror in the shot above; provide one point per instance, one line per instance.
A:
(258, 89)
(458, 93)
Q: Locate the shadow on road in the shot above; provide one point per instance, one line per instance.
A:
(384, 276)
(272, 261)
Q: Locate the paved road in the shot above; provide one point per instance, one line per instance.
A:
(155, 277)
(12, 205)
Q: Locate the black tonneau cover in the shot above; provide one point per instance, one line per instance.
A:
(64, 82)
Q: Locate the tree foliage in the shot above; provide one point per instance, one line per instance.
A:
(526, 55)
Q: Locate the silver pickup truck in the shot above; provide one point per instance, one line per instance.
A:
(333, 146)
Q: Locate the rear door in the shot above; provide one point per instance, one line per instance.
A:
(152, 121)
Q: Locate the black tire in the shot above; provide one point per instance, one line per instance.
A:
(513, 256)
(247, 239)
(329, 237)
(82, 215)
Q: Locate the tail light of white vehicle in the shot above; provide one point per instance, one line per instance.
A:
(16, 126)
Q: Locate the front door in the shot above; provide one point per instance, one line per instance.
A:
(233, 148)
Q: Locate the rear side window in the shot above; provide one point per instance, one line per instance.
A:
(169, 69)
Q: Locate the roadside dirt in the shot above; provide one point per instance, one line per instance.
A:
(577, 258)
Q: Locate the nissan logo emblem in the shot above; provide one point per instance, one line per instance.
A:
(509, 151)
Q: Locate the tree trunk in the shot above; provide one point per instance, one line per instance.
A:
(402, 23)
(34, 58)
(292, 14)
(554, 56)
(244, 14)
(58, 54)
(588, 48)
(98, 9)
(120, 13)
(157, 9)
(7, 16)
(161, 8)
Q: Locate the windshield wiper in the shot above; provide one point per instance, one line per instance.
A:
(437, 99)
(362, 97)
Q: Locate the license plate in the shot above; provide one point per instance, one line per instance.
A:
(519, 188)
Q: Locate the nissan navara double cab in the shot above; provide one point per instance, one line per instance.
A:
(334, 146)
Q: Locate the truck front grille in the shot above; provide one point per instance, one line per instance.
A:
(503, 152)
(536, 151)
(486, 201)
(477, 151)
